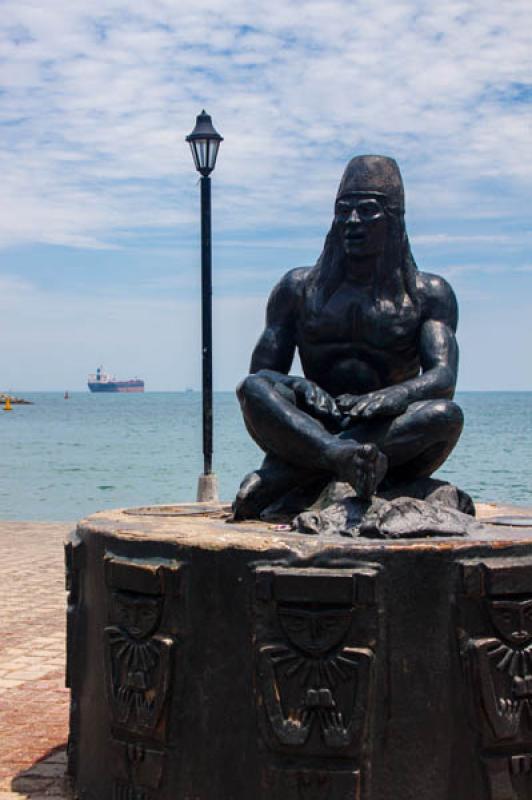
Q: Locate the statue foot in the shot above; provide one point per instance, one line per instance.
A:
(362, 466)
(263, 494)
(247, 504)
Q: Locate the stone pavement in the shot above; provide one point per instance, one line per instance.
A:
(33, 700)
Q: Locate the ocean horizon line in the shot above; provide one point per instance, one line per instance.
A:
(191, 390)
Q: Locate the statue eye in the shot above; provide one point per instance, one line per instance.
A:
(330, 623)
(368, 209)
(295, 624)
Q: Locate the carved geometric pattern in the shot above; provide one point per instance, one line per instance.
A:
(139, 770)
(496, 642)
(146, 616)
(124, 791)
(314, 665)
(509, 777)
(310, 784)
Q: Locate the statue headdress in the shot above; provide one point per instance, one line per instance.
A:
(377, 175)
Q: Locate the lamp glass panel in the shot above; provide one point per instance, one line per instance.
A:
(194, 156)
(214, 144)
(201, 152)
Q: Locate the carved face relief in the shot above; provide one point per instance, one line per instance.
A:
(137, 614)
(512, 619)
(314, 631)
(362, 224)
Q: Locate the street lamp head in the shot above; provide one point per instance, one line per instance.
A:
(204, 143)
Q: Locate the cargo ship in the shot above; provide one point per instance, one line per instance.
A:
(101, 381)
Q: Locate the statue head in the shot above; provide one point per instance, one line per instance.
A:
(370, 191)
(314, 631)
(368, 223)
(137, 614)
(512, 619)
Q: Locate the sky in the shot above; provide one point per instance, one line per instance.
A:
(99, 223)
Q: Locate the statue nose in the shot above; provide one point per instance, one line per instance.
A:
(354, 216)
(316, 630)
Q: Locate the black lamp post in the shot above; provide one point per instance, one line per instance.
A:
(204, 143)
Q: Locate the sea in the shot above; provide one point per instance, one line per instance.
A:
(61, 460)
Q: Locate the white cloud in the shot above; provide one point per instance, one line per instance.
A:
(454, 238)
(478, 245)
(97, 100)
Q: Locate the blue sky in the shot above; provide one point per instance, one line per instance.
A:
(99, 230)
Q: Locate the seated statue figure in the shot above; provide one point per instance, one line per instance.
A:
(376, 341)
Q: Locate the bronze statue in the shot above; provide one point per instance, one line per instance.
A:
(376, 340)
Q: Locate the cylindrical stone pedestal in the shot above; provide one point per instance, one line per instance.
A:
(213, 661)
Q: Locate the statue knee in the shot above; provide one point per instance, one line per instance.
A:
(250, 386)
(447, 415)
(246, 387)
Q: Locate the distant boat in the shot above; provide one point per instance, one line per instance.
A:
(15, 401)
(101, 381)
(66, 396)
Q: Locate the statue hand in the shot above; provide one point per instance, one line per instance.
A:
(345, 402)
(509, 710)
(317, 400)
(332, 726)
(296, 729)
(389, 402)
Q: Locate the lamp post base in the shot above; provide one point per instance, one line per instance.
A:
(207, 488)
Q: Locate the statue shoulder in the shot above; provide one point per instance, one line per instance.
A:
(289, 290)
(294, 280)
(437, 299)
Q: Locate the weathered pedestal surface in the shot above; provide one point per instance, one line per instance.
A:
(210, 661)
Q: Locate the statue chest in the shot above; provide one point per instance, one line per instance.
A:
(356, 322)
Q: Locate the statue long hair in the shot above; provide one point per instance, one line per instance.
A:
(395, 278)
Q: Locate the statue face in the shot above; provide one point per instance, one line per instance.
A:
(362, 224)
(137, 614)
(315, 632)
(512, 619)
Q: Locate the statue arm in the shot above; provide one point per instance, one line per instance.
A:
(437, 343)
(439, 363)
(503, 712)
(274, 352)
(276, 346)
(292, 730)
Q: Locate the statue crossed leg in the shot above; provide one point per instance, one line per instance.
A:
(302, 450)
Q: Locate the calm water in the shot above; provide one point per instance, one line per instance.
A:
(63, 459)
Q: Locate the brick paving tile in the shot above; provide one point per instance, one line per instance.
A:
(33, 700)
